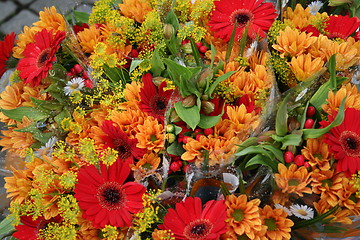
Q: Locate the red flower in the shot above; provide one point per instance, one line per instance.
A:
(154, 101)
(341, 26)
(104, 197)
(257, 14)
(6, 47)
(191, 221)
(344, 142)
(39, 56)
(29, 230)
(119, 141)
(311, 29)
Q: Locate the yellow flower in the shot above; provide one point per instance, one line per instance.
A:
(305, 66)
(292, 43)
(135, 9)
(299, 17)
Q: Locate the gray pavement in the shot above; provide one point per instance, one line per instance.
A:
(15, 14)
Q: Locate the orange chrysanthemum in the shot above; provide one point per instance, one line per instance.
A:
(305, 66)
(136, 9)
(299, 17)
(86, 230)
(19, 185)
(162, 234)
(243, 215)
(88, 38)
(129, 120)
(339, 216)
(348, 91)
(220, 150)
(292, 42)
(23, 39)
(317, 152)
(50, 20)
(150, 135)
(293, 179)
(278, 225)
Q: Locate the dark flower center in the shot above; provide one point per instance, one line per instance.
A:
(111, 196)
(242, 17)
(350, 142)
(43, 57)
(158, 104)
(198, 229)
(123, 148)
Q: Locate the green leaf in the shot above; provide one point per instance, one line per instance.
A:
(6, 226)
(247, 143)
(213, 53)
(196, 53)
(177, 129)
(208, 121)
(157, 66)
(289, 140)
(172, 45)
(60, 117)
(315, 133)
(332, 71)
(116, 74)
(47, 105)
(172, 19)
(254, 150)
(81, 17)
(277, 152)
(36, 133)
(176, 70)
(281, 127)
(231, 43)
(17, 114)
(190, 115)
(175, 149)
(261, 160)
(213, 85)
(134, 64)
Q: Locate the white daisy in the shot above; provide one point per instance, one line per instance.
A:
(315, 7)
(75, 84)
(48, 148)
(251, 50)
(302, 211)
(279, 206)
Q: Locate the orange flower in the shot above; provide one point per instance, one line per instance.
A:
(129, 119)
(339, 216)
(299, 17)
(150, 135)
(293, 179)
(243, 215)
(162, 234)
(86, 230)
(19, 185)
(24, 38)
(50, 19)
(136, 9)
(317, 152)
(88, 38)
(278, 225)
(304, 66)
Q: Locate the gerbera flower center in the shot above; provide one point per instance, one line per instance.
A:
(111, 196)
(242, 17)
(350, 142)
(158, 104)
(43, 57)
(123, 148)
(198, 229)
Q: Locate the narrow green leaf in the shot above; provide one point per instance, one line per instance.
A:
(172, 19)
(254, 150)
(213, 85)
(319, 218)
(48, 105)
(289, 140)
(196, 53)
(332, 71)
(6, 226)
(189, 115)
(81, 17)
(315, 133)
(261, 160)
(213, 53)
(134, 64)
(243, 40)
(17, 114)
(277, 152)
(230, 43)
(281, 118)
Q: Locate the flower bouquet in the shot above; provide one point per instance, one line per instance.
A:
(184, 119)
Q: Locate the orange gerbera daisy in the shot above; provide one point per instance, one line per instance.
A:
(88, 38)
(292, 42)
(150, 135)
(293, 179)
(278, 225)
(243, 215)
(317, 152)
(19, 185)
(136, 9)
(305, 65)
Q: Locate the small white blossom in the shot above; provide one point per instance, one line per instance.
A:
(302, 211)
(315, 7)
(75, 84)
(356, 78)
(251, 50)
(279, 206)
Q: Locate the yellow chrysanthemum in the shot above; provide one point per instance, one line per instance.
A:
(243, 215)
(305, 66)
(292, 42)
(136, 9)
(293, 179)
(334, 100)
(299, 17)
(317, 152)
(88, 38)
(150, 135)
(278, 225)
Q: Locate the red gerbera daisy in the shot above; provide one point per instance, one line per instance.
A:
(104, 197)
(344, 142)
(154, 101)
(39, 56)
(29, 230)
(191, 221)
(255, 13)
(6, 47)
(341, 26)
(118, 140)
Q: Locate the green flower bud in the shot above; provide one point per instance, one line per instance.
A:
(207, 107)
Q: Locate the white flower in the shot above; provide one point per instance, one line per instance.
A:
(279, 206)
(302, 211)
(251, 50)
(356, 78)
(48, 148)
(75, 84)
(315, 7)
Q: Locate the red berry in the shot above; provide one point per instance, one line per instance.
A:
(185, 168)
(208, 131)
(198, 44)
(307, 164)
(185, 139)
(78, 69)
(197, 131)
(299, 160)
(198, 137)
(309, 123)
(310, 111)
(203, 49)
(174, 166)
(289, 157)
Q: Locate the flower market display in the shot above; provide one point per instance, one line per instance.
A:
(184, 119)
